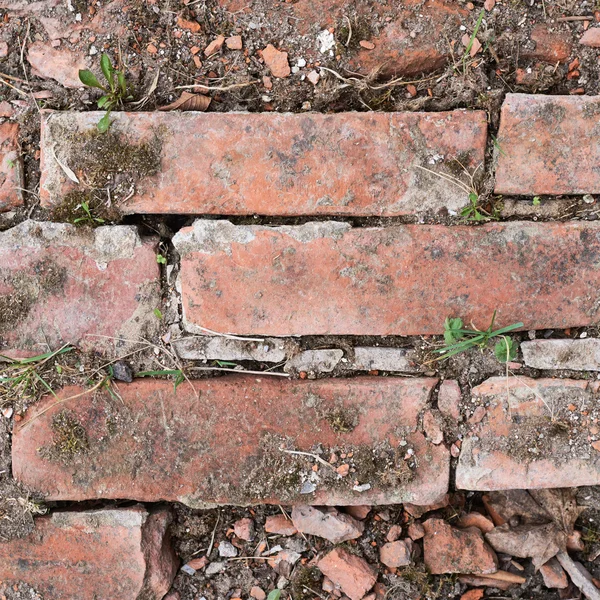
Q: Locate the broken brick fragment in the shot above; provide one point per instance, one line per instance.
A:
(11, 168)
(116, 553)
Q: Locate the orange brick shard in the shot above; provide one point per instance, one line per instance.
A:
(121, 554)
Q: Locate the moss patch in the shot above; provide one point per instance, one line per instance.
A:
(275, 473)
(69, 440)
(71, 210)
(109, 159)
(342, 420)
(354, 28)
(48, 279)
(109, 167)
(305, 581)
(15, 306)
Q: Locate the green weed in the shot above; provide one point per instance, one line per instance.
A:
(177, 374)
(475, 212)
(474, 35)
(225, 364)
(497, 145)
(115, 92)
(458, 339)
(25, 378)
(88, 218)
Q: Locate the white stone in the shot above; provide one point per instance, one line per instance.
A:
(314, 361)
(384, 359)
(575, 355)
(227, 550)
(326, 41)
(222, 348)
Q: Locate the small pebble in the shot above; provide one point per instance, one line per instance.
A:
(227, 550)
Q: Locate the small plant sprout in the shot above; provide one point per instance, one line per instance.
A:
(115, 92)
(88, 218)
(497, 144)
(225, 364)
(177, 374)
(506, 349)
(458, 339)
(161, 260)
(26, 378)
(473, 211)
(537, 200)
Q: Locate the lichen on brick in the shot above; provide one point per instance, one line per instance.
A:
(48, 279)
(109, 166)
(69, 438)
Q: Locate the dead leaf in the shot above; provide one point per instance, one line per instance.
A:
(68, 172)
(561, 505)
(142, 101)
(482, 580)
(506, 576)
(538, 542)
(43, 95)
(504, 505)
(189, 101)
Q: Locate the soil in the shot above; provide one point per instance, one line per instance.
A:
(235, 81)
(193, 531)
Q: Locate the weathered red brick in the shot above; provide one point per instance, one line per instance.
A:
(282, 164)
(532, 162)
(591, 38)
(121, 554)
(450, 550)
(223, 445)
(354, 576)
(61, 285)
(11, 168)
(565, 353)
(536, 434)
(328, 278)
(409, 44)
(550, 46)
(554, 575)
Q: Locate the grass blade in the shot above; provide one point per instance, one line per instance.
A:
(158, 373)
(474, 34)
